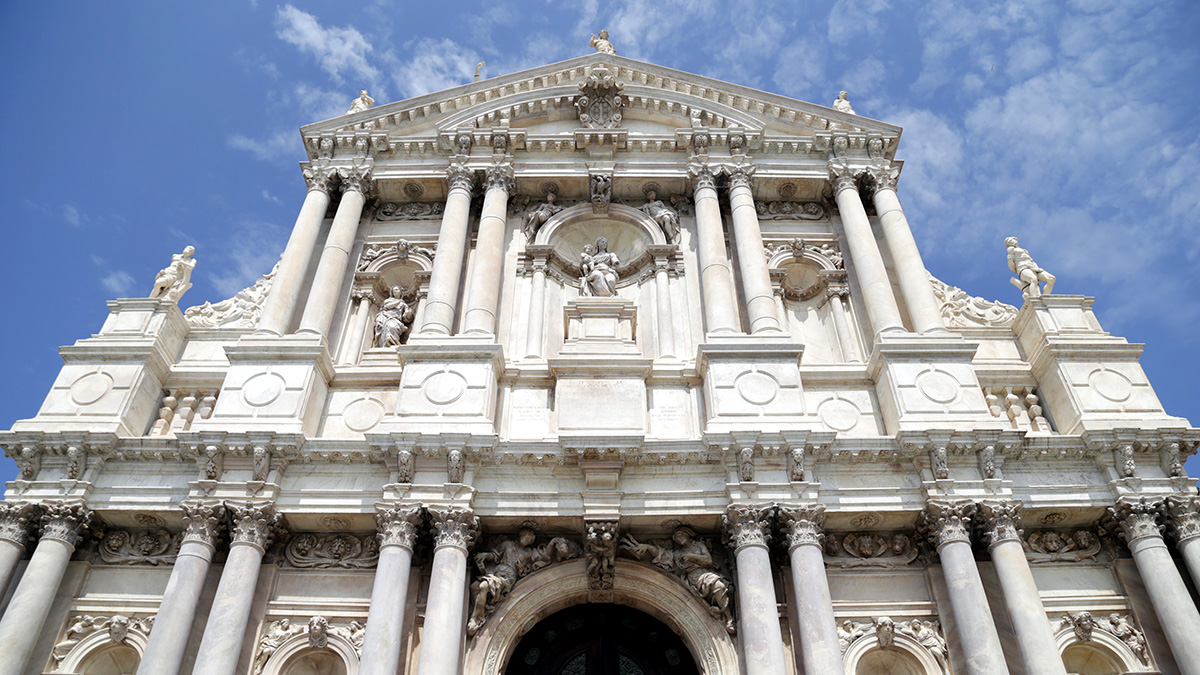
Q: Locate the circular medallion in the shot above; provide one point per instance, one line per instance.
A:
(362, 414)
(756, 388)
(91, 388)
(262, 389)
(1111, 385)
(838, 414)
(937, 386)
(444, 388)
(335, 523)
(865, 520)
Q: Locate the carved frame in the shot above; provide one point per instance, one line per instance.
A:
(1065, 637)
(299, 643)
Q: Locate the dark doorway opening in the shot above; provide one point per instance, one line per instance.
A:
(595, 639)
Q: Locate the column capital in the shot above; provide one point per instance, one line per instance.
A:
(202, 521)
(946, 522)
(254, 523)
(65, 521)
(884, 176)
(15, 521)
(740, 175)
(803, 525)
(318, 178)
(398, 524)
(1136, 518)
(747, 525)
(455, 526)
(702, 176)
(500, 176)
(843, 176)
(1185, 517)
(459, 177)
(999, 522)
(358, 179)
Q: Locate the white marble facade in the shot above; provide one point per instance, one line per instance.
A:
(601, 332)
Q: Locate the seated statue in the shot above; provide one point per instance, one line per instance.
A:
(174, 279)
(599, 267)
(507, 562)
(665, 216)
(536, 218)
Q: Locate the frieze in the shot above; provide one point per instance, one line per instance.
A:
(144, 547)
(393, 211)
(870, 549)
(508, 561)
(787, 210)
(347, 551)
(1043, 546)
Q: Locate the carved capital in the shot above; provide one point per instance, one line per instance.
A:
(884, 177)
(702, 177)
(65, 521)
(398, 525)
(747, 525)
(802, 525)
(842, 176)
(202, 521)
(499, 176)
(14, 522)
(1185, 517)
(1000, 522)
(318, 178)
(454, 526)
(254, 523)
(739, 176)
(357, 179)
(946, 522)
(459, 177)
(1136, 518)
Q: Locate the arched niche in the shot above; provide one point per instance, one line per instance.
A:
(1104, 653)
(904, 656)
(400, 264)
(295, 656)
(97, 654)
(630, 233)
(637, 585)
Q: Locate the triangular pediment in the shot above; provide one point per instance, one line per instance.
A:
(538, 105)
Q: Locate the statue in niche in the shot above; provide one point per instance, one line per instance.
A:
(842, 104)
(536, 218)
(501, 567)
(175, 279)
(688, 558)
(602, 45)
(393, 321)
(361, 103)
(665, 216)
(1029, 275)
(276, 634)
(599, 267)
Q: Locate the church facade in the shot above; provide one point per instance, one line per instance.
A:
(601, 367)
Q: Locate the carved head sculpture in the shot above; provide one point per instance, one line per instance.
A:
(602, 245)
(188, 251)
(526, 536)
(603, 34)
(683, 536)
(842, 95)
(1010, 242)
(651, 196)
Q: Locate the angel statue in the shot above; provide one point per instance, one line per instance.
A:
(175, 279)
(361, 103)
(687, 557)
(506, 563)
(537, 217)
(599, 267)
(602, 45)
(393, 321)
(1029, 275)
(665, 216)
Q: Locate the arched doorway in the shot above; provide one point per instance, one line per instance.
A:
(592, 639)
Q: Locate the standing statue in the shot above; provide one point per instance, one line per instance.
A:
(175, 279)
(1029, 275)
(501, 567)
(602, 45)
(393, 321)
(361, 103)
(599, 267)
(685, 556)
(665, 216)
(842, 104)
(535, 219)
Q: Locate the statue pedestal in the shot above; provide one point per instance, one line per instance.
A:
(600, 326)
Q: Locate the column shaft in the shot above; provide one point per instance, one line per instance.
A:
(1172, 603)
(353, 340)
(385, 621)
(972, 617)
(1039, 653)
(838, 309)
(1189, 549)
(922, 305)
(286, 286)
(756, 280)
(882, 310)
(762, 639)
(441, 642)
(819, 645)
(222, 642)
(483, 295)
(30, 604)
(716, 281)
(537, 311)
(666, 327)
(335, 258)
(447, 264)
(10, 555)
(173, 624)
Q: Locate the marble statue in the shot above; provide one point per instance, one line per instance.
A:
(688, 558)
(599, 267)
(393, 321)
(507, 562)
(842, 104)
(175, 279)
(361, 103)
(478, 69)
(602, 45)
(536, 218)
(1029, 275)
(665, 216)
(273, 638)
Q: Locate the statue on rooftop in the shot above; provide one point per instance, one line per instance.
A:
(843, 105)
(1029, 275)
(361, 103)
(175, 279)
(602, 45)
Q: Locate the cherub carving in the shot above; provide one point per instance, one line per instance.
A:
(688, 558)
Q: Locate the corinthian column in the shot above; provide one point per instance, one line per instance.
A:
(1138, 524)
(285, 287)
(14, 532)
(716, 281)
(748, 529)
(1039, 653)
(483, 295)
(202, 523)
(335, 258)
(1184, 524)
(803, 526)
(451, 245)
(948, 525)
(756, 280)
(253, 526)
(63, 526)
(868, 262)
(441, 643)
(398, 527)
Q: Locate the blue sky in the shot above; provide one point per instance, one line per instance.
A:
(133, 129)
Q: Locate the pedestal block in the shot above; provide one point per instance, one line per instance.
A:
(448, 386)
(751, 384)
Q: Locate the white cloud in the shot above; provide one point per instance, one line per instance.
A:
(281, 146)
(74, 216)
(119, 283)
(249, 254)
(270, 197)
(437, 65)
(341, 52)
(855, 18)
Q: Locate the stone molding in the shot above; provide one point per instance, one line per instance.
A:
(999, 521)
(1044, 546)
(16, 519)
(345, 551)
(203, 521)
(65, 521)
(747, 525)
(870, 549)
(254, 523)
(398, 525)
(802, 525)
(456, 526)
(1136, 518)
(946, 522)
